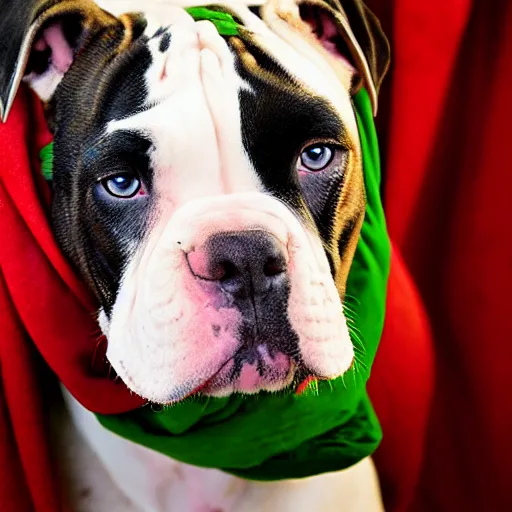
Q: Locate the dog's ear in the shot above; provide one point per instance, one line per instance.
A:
(346, 29)
(39, 40)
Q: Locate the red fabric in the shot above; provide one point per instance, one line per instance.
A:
(27, 476)
(52, 304)
(401, 387)
(448, 183)
(41, 301)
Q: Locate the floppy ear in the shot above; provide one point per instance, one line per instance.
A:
(346, 29)
(39, 40)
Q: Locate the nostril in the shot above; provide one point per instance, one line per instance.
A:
(274, 266)
(216, 272)
(210, 268)
(224, 270)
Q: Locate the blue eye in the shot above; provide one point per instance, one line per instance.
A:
(122, 185)
(316, 158)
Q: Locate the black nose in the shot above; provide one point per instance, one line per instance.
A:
(244, 263)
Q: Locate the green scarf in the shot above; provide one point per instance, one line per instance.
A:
(284, 435)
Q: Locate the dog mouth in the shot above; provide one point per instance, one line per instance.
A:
(254, 374)
(251, 371)
(257, 370)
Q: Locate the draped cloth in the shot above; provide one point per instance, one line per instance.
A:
(444, 132)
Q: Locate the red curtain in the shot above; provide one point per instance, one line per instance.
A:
(445, 129)
(444, 126)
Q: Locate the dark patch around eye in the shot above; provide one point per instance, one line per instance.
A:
(103, 85)
(277, 120)
(322, 192)
(118, 152)
(107, 230)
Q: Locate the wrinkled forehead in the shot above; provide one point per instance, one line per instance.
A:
(176, 53)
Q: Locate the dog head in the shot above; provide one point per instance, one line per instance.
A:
(207, 188)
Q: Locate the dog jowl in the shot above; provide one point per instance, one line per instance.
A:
(208, 188)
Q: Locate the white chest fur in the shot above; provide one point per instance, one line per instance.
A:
(105, 473)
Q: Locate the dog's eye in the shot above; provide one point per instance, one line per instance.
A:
(122, 185)
(316, 158)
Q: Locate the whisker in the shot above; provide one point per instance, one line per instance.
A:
(358, 342)
(360, 362)
(356, 339)
(352, 298)
(349, 308)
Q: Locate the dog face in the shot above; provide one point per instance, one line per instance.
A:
(208, 189)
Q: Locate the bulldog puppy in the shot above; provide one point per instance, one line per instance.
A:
(209, 191)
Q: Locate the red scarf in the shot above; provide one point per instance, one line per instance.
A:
(44, 311)
(51, 304)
